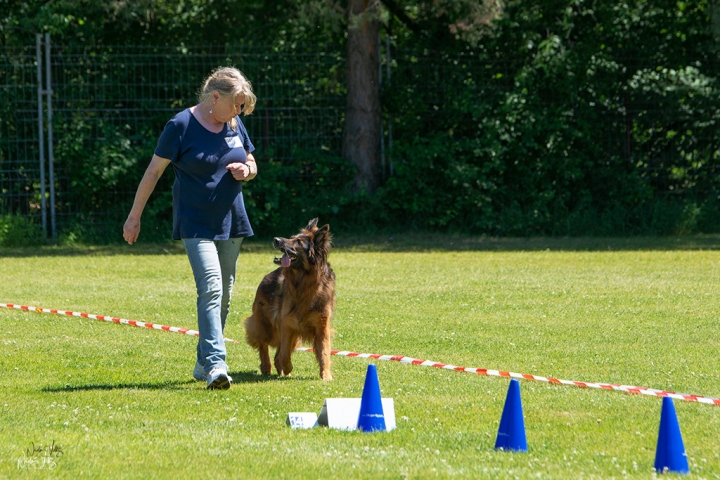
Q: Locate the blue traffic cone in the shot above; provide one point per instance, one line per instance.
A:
(511, 434)
(371, 417)
(670, 455)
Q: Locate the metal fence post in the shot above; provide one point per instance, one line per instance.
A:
(41, 136)
(51, 156)
(382, 130)
(388, 63)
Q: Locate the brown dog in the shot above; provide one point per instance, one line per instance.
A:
(295, 303)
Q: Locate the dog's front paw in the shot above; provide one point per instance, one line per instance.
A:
(326, 376)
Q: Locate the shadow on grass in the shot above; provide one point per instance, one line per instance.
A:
(253, 376)
(410, 242)
(238, 377)
(169, 385)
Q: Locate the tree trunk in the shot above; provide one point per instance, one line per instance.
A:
(361, 136)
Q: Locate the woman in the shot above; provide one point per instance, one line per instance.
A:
(211, 154)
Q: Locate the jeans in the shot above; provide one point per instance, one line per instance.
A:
(213, 264)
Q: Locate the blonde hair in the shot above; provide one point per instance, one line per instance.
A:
(229, 81)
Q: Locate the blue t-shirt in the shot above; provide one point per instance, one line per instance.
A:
(207, 200)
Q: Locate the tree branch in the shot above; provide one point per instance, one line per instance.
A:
(401, 15)
(336, 7)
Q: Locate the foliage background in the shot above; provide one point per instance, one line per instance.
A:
(559, 117)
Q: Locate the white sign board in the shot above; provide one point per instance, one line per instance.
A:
(343, 413)
(302, 419)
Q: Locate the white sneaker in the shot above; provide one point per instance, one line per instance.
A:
(218, 379)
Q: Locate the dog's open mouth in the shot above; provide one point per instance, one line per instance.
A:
(285, 260)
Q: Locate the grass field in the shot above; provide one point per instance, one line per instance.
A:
(119, 402)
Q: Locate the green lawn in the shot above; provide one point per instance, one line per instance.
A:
(119, 402)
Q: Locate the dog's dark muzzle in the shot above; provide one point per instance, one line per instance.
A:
(288, 253)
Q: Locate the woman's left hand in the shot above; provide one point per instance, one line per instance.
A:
(239, 171)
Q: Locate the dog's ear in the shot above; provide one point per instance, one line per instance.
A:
(311, 225)
(322, 237)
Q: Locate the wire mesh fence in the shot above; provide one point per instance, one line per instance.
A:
(19, 167)
(111, 103)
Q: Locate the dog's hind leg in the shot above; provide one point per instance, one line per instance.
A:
(322, 349)
(288, 342)
(265, 366)
(257, 337)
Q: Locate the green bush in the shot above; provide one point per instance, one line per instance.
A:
(284, 197)
(18, 231)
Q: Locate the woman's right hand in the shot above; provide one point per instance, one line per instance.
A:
(131, 230)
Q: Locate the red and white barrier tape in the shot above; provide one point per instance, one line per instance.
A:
(499, 373)
(400, 358)
(104, 318)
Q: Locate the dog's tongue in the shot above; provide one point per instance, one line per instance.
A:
(285, 260)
